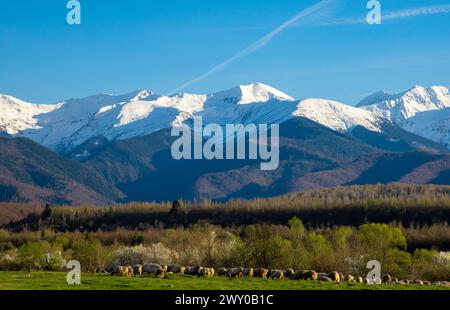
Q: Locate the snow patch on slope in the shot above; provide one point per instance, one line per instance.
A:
(433, 125)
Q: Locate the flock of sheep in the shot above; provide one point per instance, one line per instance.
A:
(334, 276)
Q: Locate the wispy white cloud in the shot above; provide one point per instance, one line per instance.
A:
(258, 44)
(390, 15)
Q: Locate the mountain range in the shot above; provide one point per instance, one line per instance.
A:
(107, 148)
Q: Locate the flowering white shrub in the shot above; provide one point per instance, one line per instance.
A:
(55, 261)
(443, 259)
(158, 253)
(155, 253)
(8, 262)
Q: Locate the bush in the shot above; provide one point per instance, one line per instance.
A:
(265, 248)
(31, 256)
(378, 239)
(137, 240)
(9, 262)
(431, 265)
(6, 246)
(91, 254)
(320, 252)
(397, 263)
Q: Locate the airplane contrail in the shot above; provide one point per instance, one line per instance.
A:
(296, 22)
(429, 10)
(258, 44)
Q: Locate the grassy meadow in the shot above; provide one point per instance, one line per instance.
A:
(57, 281)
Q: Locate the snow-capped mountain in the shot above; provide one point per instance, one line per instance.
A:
(402, 107)
(118, 139)
(65, 125)
(17, 115)
(338, 116)
(422, 111)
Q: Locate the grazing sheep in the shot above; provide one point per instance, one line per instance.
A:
(349, 278)
(154, 269)
(289, 273)
(402, 282)
(192, 271)
(222, 271)
(437, 283)
(426, 283)
(235, 272)
(205, 272)
(305, 275)
(261, 273)
(417, 282)
(334, 275)
(276, 274)
(311, 275)
(387, 279)
(359, 280)
(322, 276)
(248, 272)
(150, 267)
(137, 269)
(130, 272)
(202, 272)
(176, 269)
(120, 271)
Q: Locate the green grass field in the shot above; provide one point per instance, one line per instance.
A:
(57, 281)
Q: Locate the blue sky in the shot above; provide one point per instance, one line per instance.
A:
(122, 46)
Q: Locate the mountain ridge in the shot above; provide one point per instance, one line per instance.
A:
(422, 111)
(67, 124)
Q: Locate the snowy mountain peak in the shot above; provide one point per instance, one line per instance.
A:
(251, 93)
(337, 116)
(422, 111)
(374, 98)
(405, 105)
(417, 88)
(142, 95)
